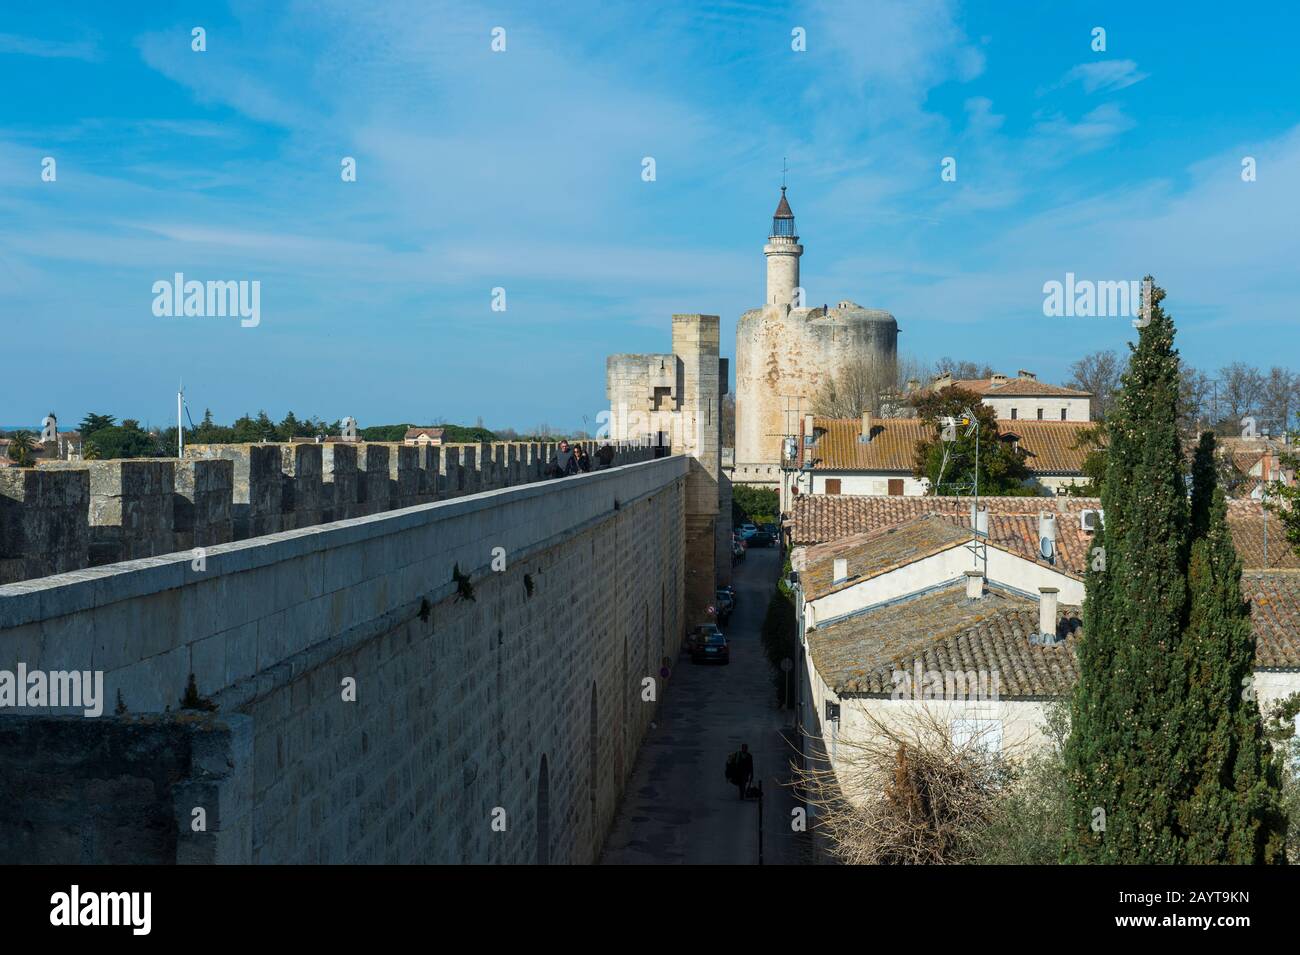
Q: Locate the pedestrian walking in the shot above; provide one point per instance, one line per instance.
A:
(740, 769)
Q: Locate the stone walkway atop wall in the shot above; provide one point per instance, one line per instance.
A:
(68, 515)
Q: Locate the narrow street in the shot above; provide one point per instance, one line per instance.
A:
(678, 808)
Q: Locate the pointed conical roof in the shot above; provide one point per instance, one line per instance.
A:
(783, 208)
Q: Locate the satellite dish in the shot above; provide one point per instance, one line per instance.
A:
(1047, 547)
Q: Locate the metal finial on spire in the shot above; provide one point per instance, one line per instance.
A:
(784, 169)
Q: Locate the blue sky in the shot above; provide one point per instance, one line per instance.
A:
(522, 170)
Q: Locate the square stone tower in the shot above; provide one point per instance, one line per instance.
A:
(674, 401)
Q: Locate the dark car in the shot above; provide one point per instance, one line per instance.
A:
(762, 539)
(713, 648)
(700, 634)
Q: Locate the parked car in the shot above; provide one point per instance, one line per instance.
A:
(699, 634)
(762, 539)
(730, 591)
(713, 648)
(737, 551)
(747, 531)
(771, 529)
(725, 603)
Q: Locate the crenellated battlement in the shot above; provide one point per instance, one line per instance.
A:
(68, 515)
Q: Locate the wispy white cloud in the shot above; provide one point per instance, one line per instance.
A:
(1104, 76)
(50, 49)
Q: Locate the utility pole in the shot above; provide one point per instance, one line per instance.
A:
(180, 428)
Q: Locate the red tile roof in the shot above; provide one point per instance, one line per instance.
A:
(1016, 387)
(1054, 447)
(945, 631)
(817, 518)
(884, 549)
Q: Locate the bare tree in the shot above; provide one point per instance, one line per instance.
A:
(1195, 399)
(1241, 387)
(866, 385)
(962, 370)
(1098, 373)
(1279, 399)
(907, 792)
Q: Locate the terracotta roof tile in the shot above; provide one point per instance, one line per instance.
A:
(818, 518)
(1259, 537)
(815, 518)
(1274, 597)
(1018, 387)
(944, 630)
(1052, 445)
(879, 551)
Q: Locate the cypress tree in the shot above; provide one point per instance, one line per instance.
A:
(1204, 481)
(1230, 812)
(1126, 754)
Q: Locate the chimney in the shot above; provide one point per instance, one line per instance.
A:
(1047, 597)
(1026, 374)
(808, 430)
(942, 381)
(866, 427)
(981, 521)
(913, 384)
(1046, 526)
(974, 584)
(841, 570)
(998, 379)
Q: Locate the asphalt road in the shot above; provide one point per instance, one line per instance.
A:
(678, 808)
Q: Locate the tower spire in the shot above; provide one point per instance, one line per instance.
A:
(783, 251)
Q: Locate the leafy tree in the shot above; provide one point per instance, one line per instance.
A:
(1125, 756)
(386, 432)
(245, 430)
(94, 422)
(1002, 467)
(127, 440)
(1091, 440)
(22, 448)
(458, 434)
(761, 505)
(1284, 501)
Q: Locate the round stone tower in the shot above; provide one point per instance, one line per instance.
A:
(782, 251)
(785, 352)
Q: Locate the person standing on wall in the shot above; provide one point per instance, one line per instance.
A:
(564, 463)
